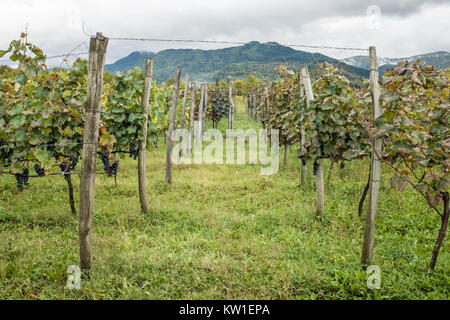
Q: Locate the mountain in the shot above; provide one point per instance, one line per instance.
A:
(231, 63)
(129, 62)
(440, 59)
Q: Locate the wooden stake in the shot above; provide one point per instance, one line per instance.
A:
(320, 204)
(143, 145)
(369, 231)
(302, 132)
(183, 114)
(97, 53)
(191, 119)
(205, 107)
(173, 113)
(231, 111)
(198, 139)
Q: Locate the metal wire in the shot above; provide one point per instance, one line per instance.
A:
(234, 42)
(222, 42)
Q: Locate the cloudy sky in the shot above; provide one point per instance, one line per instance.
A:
(398, 28)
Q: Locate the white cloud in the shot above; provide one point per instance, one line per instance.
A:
(407, 27)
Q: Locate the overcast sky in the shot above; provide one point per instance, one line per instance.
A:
(398, 28)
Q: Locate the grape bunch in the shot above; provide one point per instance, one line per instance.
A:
(19, 179)
(113, 169)
(4, 155)
(133, 150)
(303, 162)
(39, 171)
(73, 159)
(104, 156)
(64, 166)
(342, 165)
(22, 179)
(395, 158)
(25, 176)
(315, 167)
(51, 147)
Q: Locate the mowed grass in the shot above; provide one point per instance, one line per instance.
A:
(219, 232)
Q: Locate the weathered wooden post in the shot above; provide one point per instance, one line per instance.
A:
(97, 54)
(198, 140)
(369, 232)
(302, 131)
(285, 153)
(173, 113)
(191, 119)
(231, 111)
(205, 107)
(143, 145)
(183, 114)
(320, 189)
(250, 109)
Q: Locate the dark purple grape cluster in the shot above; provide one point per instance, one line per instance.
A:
(342, 165)
(39, 170)
(134, 152)
(104, 156)
(315, 167)
(64, 166)
(50, 147)
(395, 158)
(5, 153)
(25, 176)
(19, 180)
(73, 159)
(22, 179)
(303, 162)
(113, 169)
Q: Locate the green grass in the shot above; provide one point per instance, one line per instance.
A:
(219, 232)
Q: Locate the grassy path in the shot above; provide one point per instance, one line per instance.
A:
(218, 232)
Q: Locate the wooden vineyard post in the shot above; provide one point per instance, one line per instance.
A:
(369, 231)
(265, 106)
(231, 111)
(205, 107)
(251, 104)
(302, 132)
(143, 145)
(191, 119)
(198, 139)
(183, 114)
(173, 113)
(320, 204)
(250, 109)
(255, 105)
(97, 54)
(285, 153)
(266, 122)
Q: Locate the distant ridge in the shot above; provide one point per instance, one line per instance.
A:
(231, 63)
(439, 59)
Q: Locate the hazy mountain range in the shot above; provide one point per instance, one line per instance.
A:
(253, 57)
(230, 63)
(440, 59)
